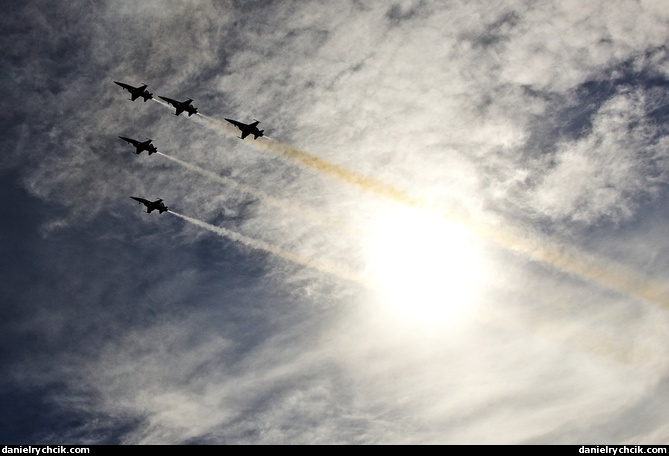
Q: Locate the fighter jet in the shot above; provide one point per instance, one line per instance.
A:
(152, 205)
(181, 106)
(136, 92)
(247, 129)
(141, 146)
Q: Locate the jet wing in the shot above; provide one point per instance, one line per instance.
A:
(179, 110)
(125, 86)
(129, 140)
(141, 200)
(169, 100)
(236, 123)
(141, 92)
(245, 133)
(188, 107)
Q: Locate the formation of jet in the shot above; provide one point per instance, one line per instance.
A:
(181, 106)
(136, 92)
(152, 205)
(141, 145)
(247, 129)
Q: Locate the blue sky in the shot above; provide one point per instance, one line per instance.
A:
(453, 232)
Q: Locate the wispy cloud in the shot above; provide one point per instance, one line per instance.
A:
(542, 122)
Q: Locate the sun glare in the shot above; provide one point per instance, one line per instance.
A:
(428, 270)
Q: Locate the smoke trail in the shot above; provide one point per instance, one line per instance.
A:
(606, 273)
(581, 340)
(161, 102)
(588, 267)
(340, 271)
(324, 166)
(283, 204)
(220, 125)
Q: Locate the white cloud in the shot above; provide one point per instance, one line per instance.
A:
(607, 172)
(457, 104)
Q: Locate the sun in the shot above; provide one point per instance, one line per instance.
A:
(427, 270)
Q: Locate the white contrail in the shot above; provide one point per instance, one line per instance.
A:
(568, 259)
(281, 203)
(221, 125)
(603, 272)
(338, 270)
(161, 102)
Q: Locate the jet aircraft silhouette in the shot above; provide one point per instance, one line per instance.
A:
(181, 106)
(247, 129)
(151, 205)
(141, 145)
(136, 92)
